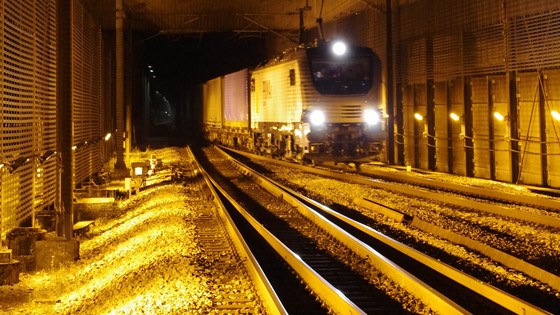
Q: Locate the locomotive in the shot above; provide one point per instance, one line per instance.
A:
(310, 105)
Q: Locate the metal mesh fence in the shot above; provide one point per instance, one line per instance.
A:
(504, 55)
(87, 96)
(29, 167)
(28, 109)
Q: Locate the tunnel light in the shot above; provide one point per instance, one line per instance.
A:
(339, 48)
(555, 115)
(499, 116)
(418, 117)
(107, 136)
(454, 117)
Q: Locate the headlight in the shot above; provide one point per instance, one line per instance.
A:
(317, 118)
(371, 117)
(339, 48)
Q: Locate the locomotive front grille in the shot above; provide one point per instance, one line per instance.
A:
(346, 112)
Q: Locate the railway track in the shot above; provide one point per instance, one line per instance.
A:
(541, 268)
(288, 239)
(245, 289)
(354, 249)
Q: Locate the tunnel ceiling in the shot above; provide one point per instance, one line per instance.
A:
(239, 16)
(205, 38)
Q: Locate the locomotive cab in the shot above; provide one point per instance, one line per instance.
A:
(342, 113)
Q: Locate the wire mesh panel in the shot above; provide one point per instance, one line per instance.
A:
(46, 171)
(28, 112)
(552, 109)
(489, 42)
(421, 125)
(409, 124)
(481, 139)
(17, 112)
(447, 57)
(533, 40)
(86, 92)
(501, 139)
(456, 97)
(441, 125)
(529, 129)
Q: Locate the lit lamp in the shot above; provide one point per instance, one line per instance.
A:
(138, 170)
(420, 118)
(456, 118)
(501, 117)
(555, 115)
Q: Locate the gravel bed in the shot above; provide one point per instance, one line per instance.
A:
(141, 258)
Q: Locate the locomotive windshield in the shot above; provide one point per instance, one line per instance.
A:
(350, 75)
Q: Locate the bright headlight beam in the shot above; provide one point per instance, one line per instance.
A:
(339, 48)
(317, 118)
(371, 117)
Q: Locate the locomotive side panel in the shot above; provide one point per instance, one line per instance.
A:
(276, 109)
(275, 97)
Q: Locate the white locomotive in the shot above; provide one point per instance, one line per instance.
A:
(309, 105)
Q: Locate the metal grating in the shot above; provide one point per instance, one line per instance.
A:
(86, 92)
(533, 41)
(46, 181)
(28, 115)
